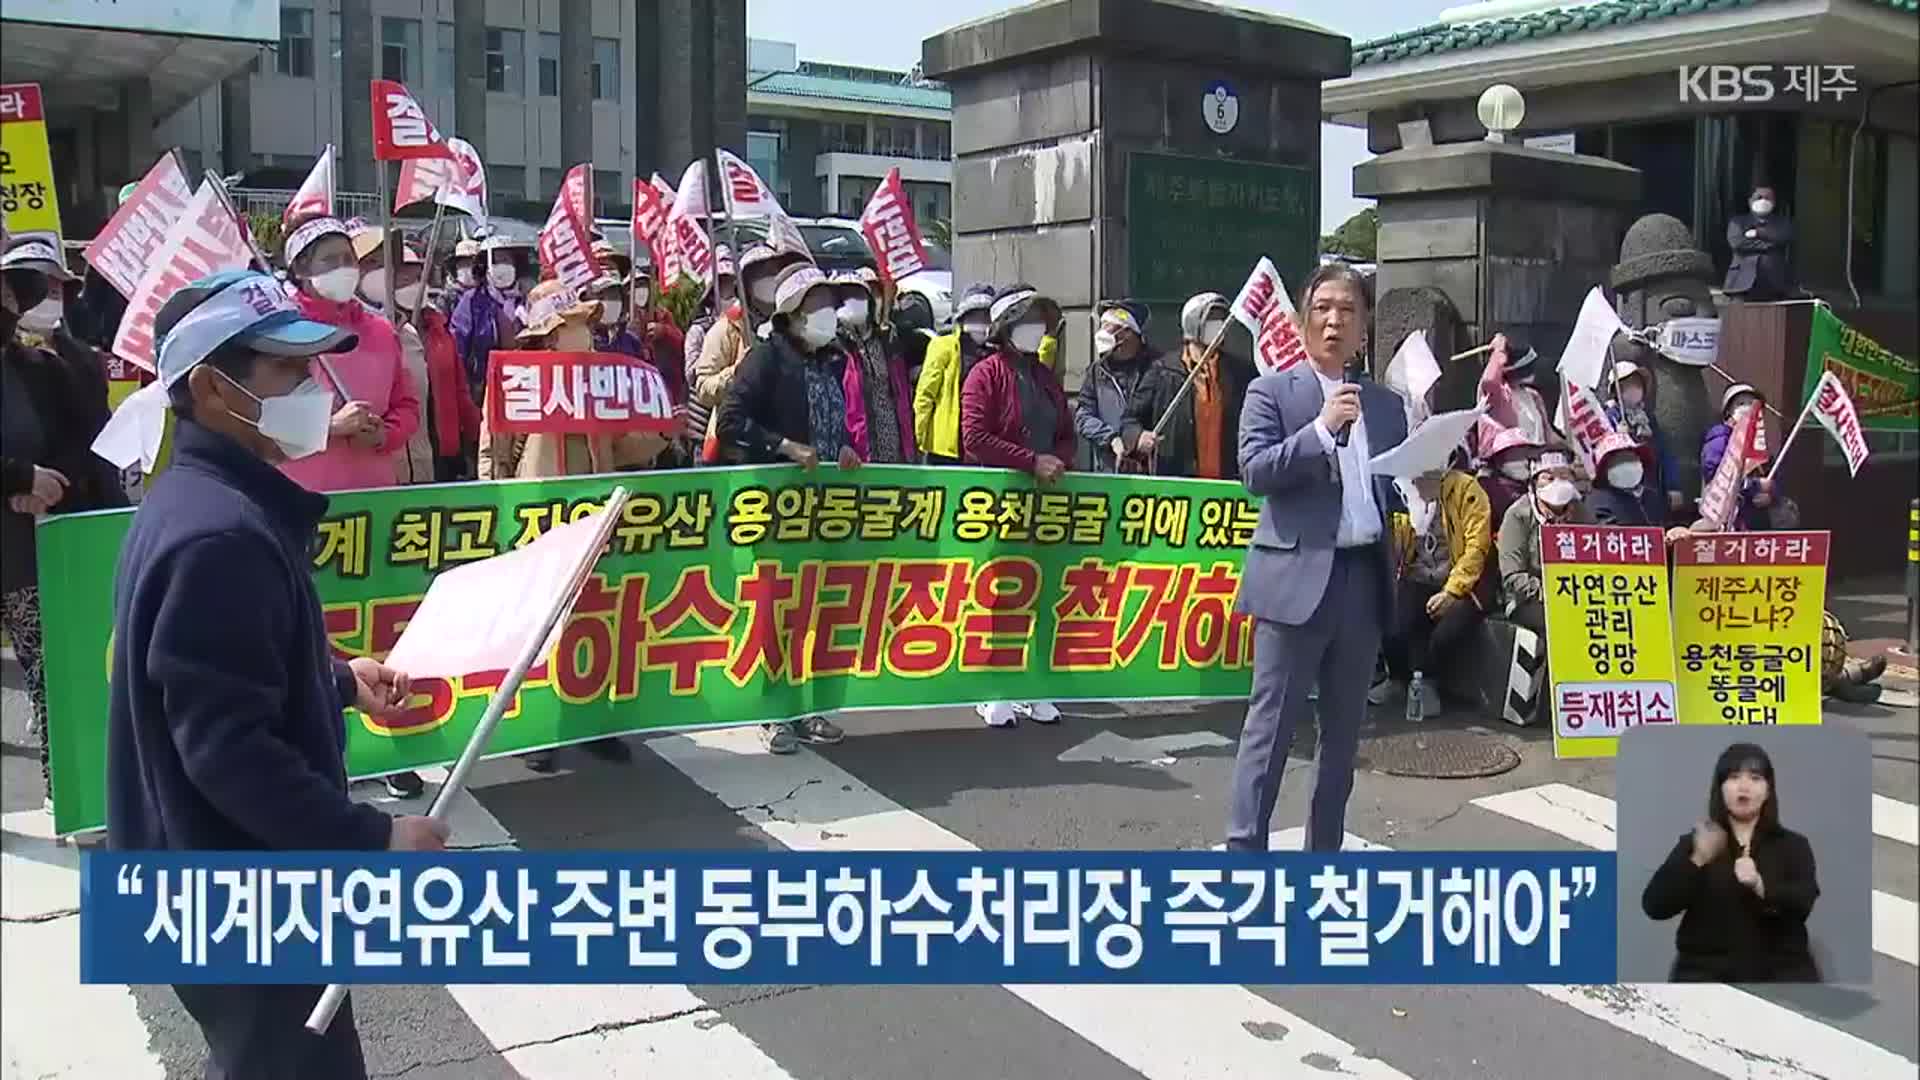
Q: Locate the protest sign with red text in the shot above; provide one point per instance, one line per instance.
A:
(749, 196)
(891, 233)
(692, 250)
(401, 129)
(458, 182)
(649, 217)
(1585, 421)
(1722, 493)
(124, 247)
(1835, 411)
(1264, 308)
(575, 393)
(205, 239)
(566, 241)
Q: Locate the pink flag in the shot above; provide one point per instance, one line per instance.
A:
(693, 252)
(315, 197)
(124, 247)
(890, 230)
(205, 239)
(459, 181)
(1585, 421)
(401, 129)
(1722, 495)
(566, 242)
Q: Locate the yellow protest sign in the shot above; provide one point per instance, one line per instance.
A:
(1747, 622)
(26, 165)
(1609, 634)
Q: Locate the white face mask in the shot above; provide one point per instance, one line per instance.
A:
(501, 275)
(975, 330)
(1514, 470)
(642, 297)
(338, 285)
(297, 422)
(1210, 330)
(1625, 475)
(464, 277)
(1559, 494)
(1027, 337)
(1105, 341)
(409, 295)
(611, 312)
(1762, 207)
(854, 314)
(820, 326)
(43, 317)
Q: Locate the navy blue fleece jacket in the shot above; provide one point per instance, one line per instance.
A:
(226, 728)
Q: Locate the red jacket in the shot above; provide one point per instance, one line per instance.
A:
(456, 419)
(992, 430)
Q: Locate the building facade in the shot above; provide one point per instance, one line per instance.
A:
(825, 135)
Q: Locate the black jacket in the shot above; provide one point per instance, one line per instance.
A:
(65, 391)
(1178, 453)
(767, 401)
(1761, 268)
(1109, 402)
(1727, 934)
(1611, 506)
(225, 727)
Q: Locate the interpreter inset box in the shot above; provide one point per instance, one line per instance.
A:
(1745, 854)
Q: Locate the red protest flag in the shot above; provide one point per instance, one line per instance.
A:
(124, 247)
(401, 129)
(566, 241)
(315, 197)
(649, 217)
(888, 224)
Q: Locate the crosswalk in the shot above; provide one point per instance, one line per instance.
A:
(726, 789)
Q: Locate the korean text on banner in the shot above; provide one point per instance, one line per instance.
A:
(1834, 409)
(27, 193)
(1747, 622)
(649, 217)
(878, 917)
(740, 595)
(1884, 387)
(1585, 421)
(126, 244)
(747, 195)
(1264, 308)
(401, 129)
(316, 195)
(205, 239)
(1609, 635)
(1722, 493)
(566, 241)
(890, 230)
(458, 182)
(691, 246)
(575, 393)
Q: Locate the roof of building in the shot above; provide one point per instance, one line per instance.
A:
(841, 82)
(1572, 18)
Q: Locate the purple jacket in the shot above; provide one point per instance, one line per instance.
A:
(1745, 514)
(477, 327)
(853, 384)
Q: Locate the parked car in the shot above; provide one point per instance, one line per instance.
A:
(931, 287)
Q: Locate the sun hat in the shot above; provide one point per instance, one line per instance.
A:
(243, 306)
(551, 304)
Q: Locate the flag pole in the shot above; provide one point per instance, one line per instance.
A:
(323, 1011)
(388, 232)
(433, 248)
(1799, 423)
(1205, 359)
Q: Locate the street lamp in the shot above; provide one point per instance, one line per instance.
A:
(1501, 109)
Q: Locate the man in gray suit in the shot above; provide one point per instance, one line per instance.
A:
(1318, 578)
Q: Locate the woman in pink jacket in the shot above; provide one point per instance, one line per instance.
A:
(378, 405)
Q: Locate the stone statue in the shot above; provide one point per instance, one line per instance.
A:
(1661, 275)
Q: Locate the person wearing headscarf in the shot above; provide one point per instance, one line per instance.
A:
(1555, 500)
(788, 402)
(487, 316)
(1507, 470)
(727, 343)
(52, 403)
(1758, 495)
(879, 402)
(1118, 392)
(414, 463)
(1014, 415)
(950, 358)
(1510, 393)
(1622, 493)
(1631, 412)
(464, 272)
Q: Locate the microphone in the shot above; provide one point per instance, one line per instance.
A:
(1352, 374)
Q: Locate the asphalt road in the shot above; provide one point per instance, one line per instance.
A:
(939, 779)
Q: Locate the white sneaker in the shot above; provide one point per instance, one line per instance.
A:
(998, 713)
(1040, 712)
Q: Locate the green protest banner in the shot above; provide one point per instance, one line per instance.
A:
(1885, 388)
(735, 596)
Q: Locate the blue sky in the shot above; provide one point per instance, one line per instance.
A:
(848, 32)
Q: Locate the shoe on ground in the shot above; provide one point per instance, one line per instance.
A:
(404, 785)
(1040, 712)
(1387, 692)
(540, 761)
(613, 750)
(818, 730)
(779, 738)
(1872, 669)
(998, 713)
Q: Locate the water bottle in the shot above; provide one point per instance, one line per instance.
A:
(1414, 691)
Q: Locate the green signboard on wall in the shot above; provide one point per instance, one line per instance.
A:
(1199, 224)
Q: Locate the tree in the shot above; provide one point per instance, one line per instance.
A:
(1354, 239)
(940, 231)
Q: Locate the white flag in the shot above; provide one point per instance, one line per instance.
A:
(1584, 360)
(692, 253)
(1411, 373)
(1834, 409)
(315, 197)
(748, 196)
(1261, 293)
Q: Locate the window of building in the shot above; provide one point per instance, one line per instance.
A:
(936, 141)
(931, 202)
(443, 56)
(506, 182)
(505, 55)
(844, 138)
(894, 139)
(550, 180)
(606, 69)
(400, 50)
(547, 71)
(763, 153)
(295, 55)
(854, 193)
(607, 192)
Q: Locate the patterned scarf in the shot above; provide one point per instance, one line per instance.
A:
(826, 403)
(876, 386)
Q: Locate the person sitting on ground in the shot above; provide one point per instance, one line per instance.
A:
(1555, 501)
(1506, 474)
(1444, 589)
(1759, 496)
(1014, 415)
(1622, 494)
(1631, 413)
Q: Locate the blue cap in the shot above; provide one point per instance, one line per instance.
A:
(243, 306)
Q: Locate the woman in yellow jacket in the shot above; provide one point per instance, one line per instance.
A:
(950, 356)
(1444, 590)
